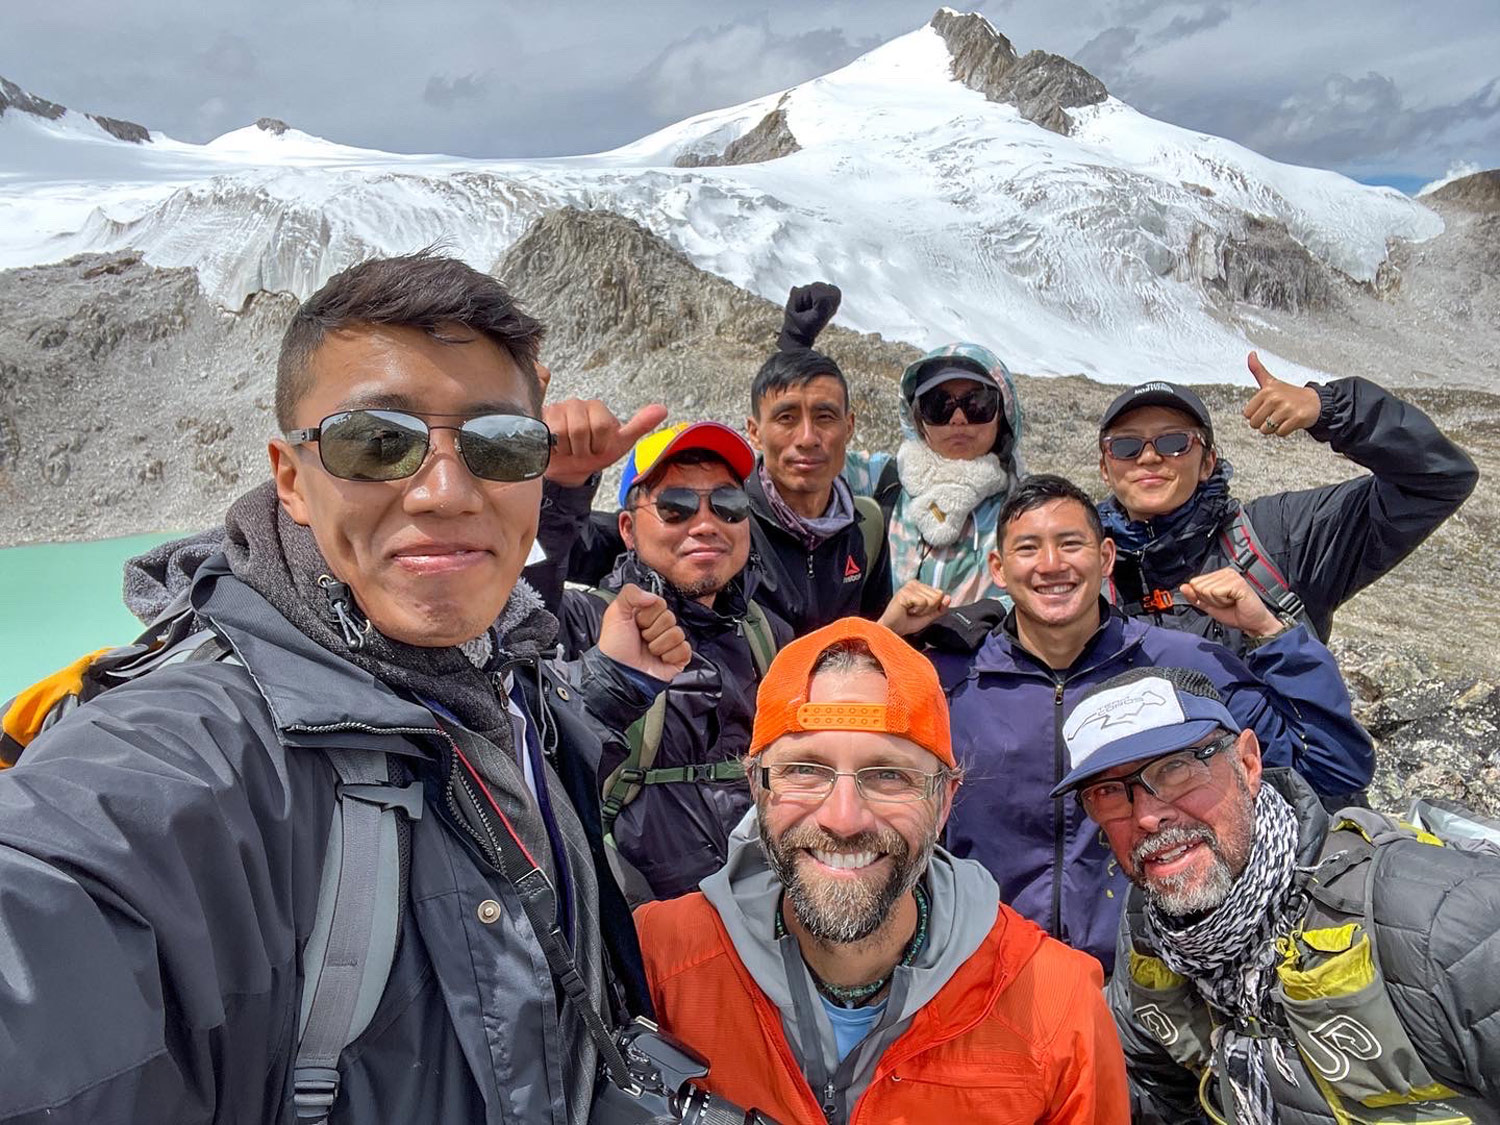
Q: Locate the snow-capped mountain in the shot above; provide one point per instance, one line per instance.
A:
(1105, 242)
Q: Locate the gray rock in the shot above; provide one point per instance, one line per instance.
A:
(1263, 265)
(272, 125)
(1479, 192)
(13, 97)
(770, 139)
(1041, 86)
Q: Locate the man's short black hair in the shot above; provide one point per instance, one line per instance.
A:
(1042, 488)
(424, 290)
(794, 368)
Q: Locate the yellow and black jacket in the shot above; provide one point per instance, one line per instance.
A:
(1389, 987)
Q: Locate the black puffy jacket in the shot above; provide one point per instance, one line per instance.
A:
(1328, 542)
(1436, 941)
(160, 856)
(677, 834)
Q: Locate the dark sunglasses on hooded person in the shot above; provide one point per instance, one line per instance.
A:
(387, 445)
(980, 404)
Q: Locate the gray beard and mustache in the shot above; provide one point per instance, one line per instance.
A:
(843, 911)
(1172, 894)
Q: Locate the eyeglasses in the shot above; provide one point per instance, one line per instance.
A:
(980, 405)
(680, 504)
(1173, 444)
(810, 781)
(391, 445)
(1167, 779)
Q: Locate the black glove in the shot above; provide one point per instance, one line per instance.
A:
(809, 308)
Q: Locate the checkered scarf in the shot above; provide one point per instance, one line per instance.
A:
(1229, 953)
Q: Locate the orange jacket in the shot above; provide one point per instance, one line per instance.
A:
(1019, 1034)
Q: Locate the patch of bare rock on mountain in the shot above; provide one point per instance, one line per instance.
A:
(771, 139)
(1040, 85)
(12, 97)
(1479, 192)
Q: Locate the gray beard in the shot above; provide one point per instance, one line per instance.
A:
(1169, 895)
(844, 911)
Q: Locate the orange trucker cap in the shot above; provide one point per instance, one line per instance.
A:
(915, 707)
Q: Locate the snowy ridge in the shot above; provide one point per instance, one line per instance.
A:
(942, 215)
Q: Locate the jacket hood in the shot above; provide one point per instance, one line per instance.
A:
(162, 576)
(746, 894)
(1007, 444)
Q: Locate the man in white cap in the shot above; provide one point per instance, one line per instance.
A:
(1276, 964)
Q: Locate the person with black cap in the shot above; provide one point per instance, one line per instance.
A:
(1182, 537)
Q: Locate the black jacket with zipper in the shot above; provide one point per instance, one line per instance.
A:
(1330, 542)
(160, 858)
(677, 834)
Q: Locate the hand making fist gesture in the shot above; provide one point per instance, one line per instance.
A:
(639, 631)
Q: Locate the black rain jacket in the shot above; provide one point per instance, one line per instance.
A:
(160, 856)
(1328, 542)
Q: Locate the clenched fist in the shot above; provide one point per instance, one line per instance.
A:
(1227, 596)
(639, 631)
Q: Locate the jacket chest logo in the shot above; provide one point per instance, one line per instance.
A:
(851, 571)
(1332, 1045)
(1158, 1023)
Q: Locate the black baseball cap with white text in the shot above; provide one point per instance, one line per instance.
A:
(1159, 393)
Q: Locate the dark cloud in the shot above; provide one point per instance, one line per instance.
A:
(720, 66)
(1184, 25)
(230, 58)
(1108, 54)
(444, 92)
(1346, 119)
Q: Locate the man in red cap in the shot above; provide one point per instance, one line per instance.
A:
(669, 807)
(842, 966)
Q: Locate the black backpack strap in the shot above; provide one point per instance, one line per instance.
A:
(348, 956)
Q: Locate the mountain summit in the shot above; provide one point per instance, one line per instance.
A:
(12, 97)
(953, 186)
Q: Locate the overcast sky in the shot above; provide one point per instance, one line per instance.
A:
(1387, 91)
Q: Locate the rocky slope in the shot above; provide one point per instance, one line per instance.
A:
(129, 402)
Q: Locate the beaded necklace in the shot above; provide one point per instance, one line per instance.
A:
(853, 996)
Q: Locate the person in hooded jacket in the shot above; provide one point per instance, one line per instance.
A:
(1173, 519)
(959, 457)
(843, 969)
(162, 846)
(684, 521)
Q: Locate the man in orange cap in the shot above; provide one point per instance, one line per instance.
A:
(842, 966)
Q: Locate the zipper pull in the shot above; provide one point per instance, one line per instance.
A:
(830, 1106)
(1057, 699)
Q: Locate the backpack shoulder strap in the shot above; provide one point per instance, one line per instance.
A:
(757, 629)
(871, 527)
(1248, 555)
(348, 956)
(888, 488)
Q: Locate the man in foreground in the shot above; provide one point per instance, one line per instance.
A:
(1307, 552)
(843, 967)
(1013, 677)
(684, 520)
(167, 850)
(1310, 969)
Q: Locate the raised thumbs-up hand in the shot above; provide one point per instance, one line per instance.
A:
(639, 631)
(591, 438)
(1278, 408)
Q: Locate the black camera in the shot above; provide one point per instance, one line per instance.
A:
(662, 1090)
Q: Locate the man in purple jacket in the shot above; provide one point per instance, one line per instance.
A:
(1012, 678)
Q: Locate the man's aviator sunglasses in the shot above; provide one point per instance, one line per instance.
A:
(1173, 444)
(384, 445)
(680, 503)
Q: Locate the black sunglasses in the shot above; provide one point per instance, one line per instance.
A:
(678, 505)
(980, 405)
(391, 445)
(1173, 444)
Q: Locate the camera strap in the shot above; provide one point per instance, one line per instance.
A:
(538, 899)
